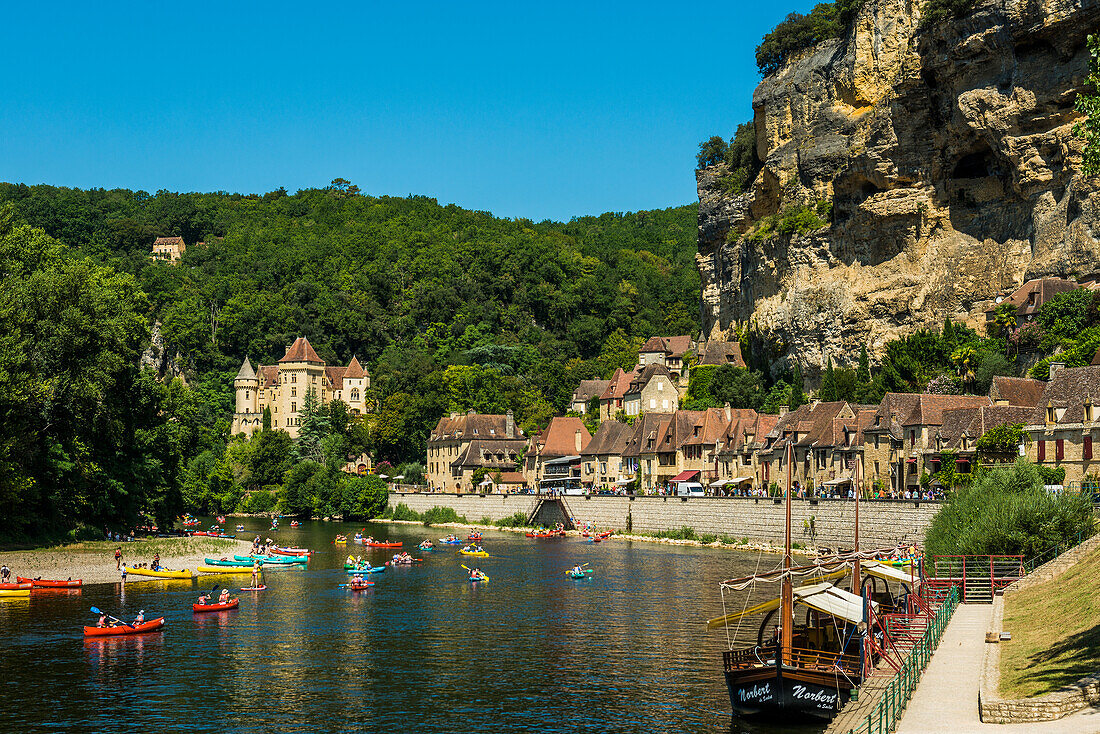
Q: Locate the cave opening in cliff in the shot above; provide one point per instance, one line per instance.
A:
(974, 165)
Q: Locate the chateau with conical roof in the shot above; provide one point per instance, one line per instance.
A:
(282, 387)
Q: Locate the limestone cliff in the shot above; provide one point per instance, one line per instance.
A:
(949, 159)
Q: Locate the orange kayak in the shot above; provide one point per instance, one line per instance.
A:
(47, 584)
(124, 629)
(231, 604)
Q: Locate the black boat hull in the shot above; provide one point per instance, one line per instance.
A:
(785, 693)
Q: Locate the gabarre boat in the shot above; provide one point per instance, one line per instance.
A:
(806, 669)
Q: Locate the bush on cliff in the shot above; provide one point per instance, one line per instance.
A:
(935, 12)
(1007, 511)
(798, 32)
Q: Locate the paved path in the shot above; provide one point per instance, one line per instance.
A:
(946, 699)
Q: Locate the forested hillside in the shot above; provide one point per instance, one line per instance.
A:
(450, 309)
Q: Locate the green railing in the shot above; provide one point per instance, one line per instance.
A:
(884, 717)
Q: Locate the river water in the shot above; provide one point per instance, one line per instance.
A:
(424, 650)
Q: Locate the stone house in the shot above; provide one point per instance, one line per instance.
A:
(554, 456)
(737, 463)
(701, 435)
(642, 457)
(1064, 426)
(719, 353)
(826, 446)
(450, 464)
(653, 390)
(282, 388)
(672, 352)
(168, 249)
(962, 427)
(613, 397)
(586, 390)
(1028, 298)
(602, 458)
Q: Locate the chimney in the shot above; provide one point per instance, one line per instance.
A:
(509, 426)
(470, 411)
(1055, 367)
(454, 415)
(577, 440)
(729, 413)
(783, 410)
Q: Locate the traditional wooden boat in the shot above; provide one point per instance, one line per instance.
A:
(125, 629)
(217, 606)
(801, 671)
(161, 574)
(47, 584)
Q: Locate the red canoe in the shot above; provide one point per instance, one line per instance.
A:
(384, 545)
(361, 587)
(124, 629)
(231, 604)
(47, 584)
(291, 551)
(23, 584)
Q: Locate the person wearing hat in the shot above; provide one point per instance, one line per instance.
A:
(140, 618)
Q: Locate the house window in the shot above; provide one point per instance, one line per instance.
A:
(876, 441)
(912, 438)
(294, 407)
(664, 404)
(652, 403)
(1059, 449)
(876, 463)
(293, 392)
(1042, 450)
(1086, 450)
(247, 394)
(746, 459)
(293, 377)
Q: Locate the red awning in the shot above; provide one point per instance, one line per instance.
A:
(911, 461)
(962, 461)
(685, 476)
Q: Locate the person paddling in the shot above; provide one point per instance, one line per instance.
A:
(102, 620)
(204, 599)
(223, 598)
(140, 618)
(255, 574)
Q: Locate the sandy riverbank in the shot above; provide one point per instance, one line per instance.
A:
(747, 547)
(94, 561)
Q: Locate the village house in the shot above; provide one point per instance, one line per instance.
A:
(699, 438)
(1064, 426)
(1018, 391)
(282, 387)
(585, 392)
(651, 391)
(671, 352)
(1028, 298)
(962, 427)
(602, 459)
(502, 482)
(611, 400)
(168, 249)
(460, 444)
(720, 353)
(553, 459)
(737, 466)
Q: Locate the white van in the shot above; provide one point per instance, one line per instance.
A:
(690, 489)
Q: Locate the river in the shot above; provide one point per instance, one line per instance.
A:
(423, 650)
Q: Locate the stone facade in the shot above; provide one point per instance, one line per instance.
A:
(282, 388)
(460, 444)
(168, 249)
(652, 391)
(1065, 425)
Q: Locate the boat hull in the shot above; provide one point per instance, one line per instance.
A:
(231, 604)
(184, 574)
(48, 584)
(224, 569)
(151, 626)
(787, 693)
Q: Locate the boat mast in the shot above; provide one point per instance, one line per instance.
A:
(859, 491)
(786, 599)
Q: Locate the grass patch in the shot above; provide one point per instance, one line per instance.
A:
(1055, 632)
(707, 538)
(518, 520)
(440, 515)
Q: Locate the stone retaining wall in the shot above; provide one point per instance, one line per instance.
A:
(883, 523)
(996, 710)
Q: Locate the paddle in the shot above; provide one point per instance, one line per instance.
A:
(571, 568)
(95, 610)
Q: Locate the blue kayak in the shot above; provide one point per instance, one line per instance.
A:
(368, 569)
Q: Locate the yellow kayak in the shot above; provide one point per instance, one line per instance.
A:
(479, 554)
(183, 574)
(224, 569)
(15, 592)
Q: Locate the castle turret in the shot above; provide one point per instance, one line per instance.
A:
(247, 388)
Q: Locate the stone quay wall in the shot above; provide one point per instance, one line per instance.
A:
(822, 522)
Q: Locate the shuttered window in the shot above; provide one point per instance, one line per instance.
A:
(1042, 450)
(1059, 449)
(1087, 449)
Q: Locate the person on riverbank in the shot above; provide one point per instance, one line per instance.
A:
(118, 558)
(156, 561)
(5, 573)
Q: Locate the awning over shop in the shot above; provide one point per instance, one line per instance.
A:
(834, 482)
(622, 483)
(685, 476)
(962, 461)
(910, 461)
(889, 572)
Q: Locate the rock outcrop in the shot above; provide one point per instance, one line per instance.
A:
(949, 158)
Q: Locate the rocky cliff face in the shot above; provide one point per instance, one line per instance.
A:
(950, 162)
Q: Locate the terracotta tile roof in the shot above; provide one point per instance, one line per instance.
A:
(301, 351)
(488, 453)
(648, 373)
(559, 438)
(611, 438)
(1017, 390)
(928, 409)
(672, 346)
(1034, 293)
(618, 385)
(975, 421)
(355, 370)
(723, 353)
(169, 241)
(588, 389)
(644, 436)
(335, 377)
(468, 426)
(512, 477)
(1068, 389)
(269, 374)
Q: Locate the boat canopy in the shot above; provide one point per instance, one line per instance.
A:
(888, 572)
(819, 582)
(829, 599)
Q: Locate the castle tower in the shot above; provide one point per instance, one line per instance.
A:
(356, 382)
(246, 386)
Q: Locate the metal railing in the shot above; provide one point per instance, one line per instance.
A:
(1053, 552)
(884, 716)
(979, 576)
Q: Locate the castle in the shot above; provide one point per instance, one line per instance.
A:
(282, 387)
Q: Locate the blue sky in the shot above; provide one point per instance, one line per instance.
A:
(551, 111)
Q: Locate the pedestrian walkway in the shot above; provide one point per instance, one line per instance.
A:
(946, 699)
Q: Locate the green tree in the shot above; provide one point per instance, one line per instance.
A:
(999, 440)
(267, 418)
(370, 497)
(711, 152)
(272, 455)
(829, 390)
(1088, 104)
(863, 372)
(314, 427)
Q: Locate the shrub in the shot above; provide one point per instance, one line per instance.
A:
(1007, 511)
(936, 12)
(403, 512)
(711, 152)
(438, 515)
(1001, 439)
(517, 520)
(793, 220)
